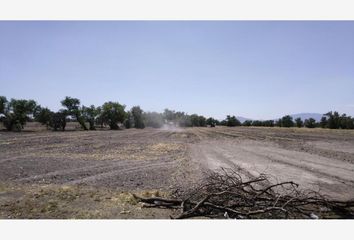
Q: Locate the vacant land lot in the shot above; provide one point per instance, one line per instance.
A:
(78, 174)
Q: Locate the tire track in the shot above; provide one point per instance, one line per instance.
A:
(254, 157)
(316, 168)
(119, 171)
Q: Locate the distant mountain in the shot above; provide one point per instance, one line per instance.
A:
(303, 116)
(242, 119)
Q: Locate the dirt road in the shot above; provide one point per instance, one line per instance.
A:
(318, 159)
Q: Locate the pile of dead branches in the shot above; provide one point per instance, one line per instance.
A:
(224, 194)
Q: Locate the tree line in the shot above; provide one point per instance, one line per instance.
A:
(332, 120)
(15, 113)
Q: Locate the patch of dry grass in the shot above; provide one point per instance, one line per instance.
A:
(163, 148)
(73, 202)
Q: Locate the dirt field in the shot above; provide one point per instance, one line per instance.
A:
(78, 174)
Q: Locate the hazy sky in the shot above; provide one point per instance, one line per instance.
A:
(252, 69)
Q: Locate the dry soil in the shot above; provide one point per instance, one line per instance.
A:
(91, 174)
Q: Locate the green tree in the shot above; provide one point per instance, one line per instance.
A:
(310, 123)
(185, 121)
(350, 123)
(324, 122)
(112, 114)
(223, 122)
(58, 120)
(182, 119)
(287, 121)
(89, 114)
(129, 121)
(137, 114)
(169, 115)
(345, 122)
(73, 109)
(299, 123)
(332, 120)
(342, 122)
(16, 113)
(3, 102)
(232, 121)
(247, 123)
(268, 123)
(256, 123)
(211, 122)
(202, 121)
(99, 119)
(43, 115)
(194, 120)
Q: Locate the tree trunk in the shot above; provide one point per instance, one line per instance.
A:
(81, 121)
(114, 126)
(92, 125)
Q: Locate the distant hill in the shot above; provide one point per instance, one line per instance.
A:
(242, 119)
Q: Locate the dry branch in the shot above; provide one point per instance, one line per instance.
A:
(225, 194)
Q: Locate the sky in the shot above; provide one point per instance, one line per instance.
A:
(254, 69)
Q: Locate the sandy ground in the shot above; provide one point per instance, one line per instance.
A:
(78, 174)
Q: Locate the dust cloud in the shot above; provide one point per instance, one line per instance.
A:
(171, 128)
